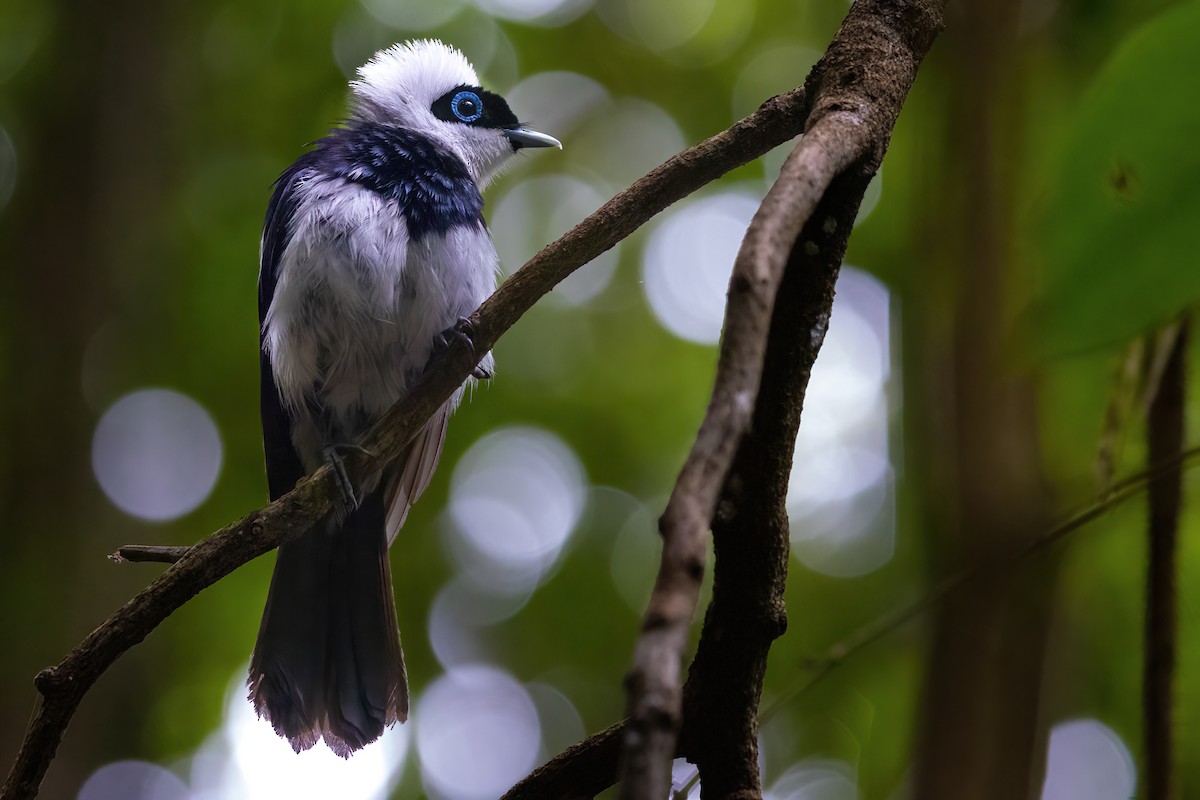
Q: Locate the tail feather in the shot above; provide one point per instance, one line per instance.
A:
(328, 662)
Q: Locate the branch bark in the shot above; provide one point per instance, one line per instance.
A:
(653, 683)
(63, 686)
(858, 88)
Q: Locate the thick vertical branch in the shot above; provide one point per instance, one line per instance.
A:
(653, 683)
(858, 89)
(750, 530)
(1165, 438)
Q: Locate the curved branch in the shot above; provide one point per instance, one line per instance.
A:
(653, 684)
(63, 686)
(857, 89)
(582, 771)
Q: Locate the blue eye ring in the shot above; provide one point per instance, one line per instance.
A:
(472, 98)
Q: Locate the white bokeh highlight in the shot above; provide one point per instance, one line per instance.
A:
(515, 497)
(557, 102)
(245, 760)
(410, 16)
(815, 779)
(636, 551)
(625, 140)
(156, 453)
(460, 614)
(688, 260)
(133, 780)
(477, 734)
(840, 490)
(1087, 760)
(537, 12)
(541, 209)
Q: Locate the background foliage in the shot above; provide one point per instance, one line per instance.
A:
(138, 142)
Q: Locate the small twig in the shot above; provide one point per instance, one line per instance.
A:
(1126, 489)
(1164, 439)
(160, 553)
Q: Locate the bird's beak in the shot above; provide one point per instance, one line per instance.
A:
(523, 137)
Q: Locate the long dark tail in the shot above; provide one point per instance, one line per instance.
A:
(328, 661)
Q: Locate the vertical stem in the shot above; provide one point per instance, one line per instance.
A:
(1165, 438)
(979, 736)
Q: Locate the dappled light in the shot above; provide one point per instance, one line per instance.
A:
(840, 495)
(542, 209)
(686, 264)
(156, 453)
(515, 497)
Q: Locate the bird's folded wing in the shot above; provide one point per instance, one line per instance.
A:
(419, 466)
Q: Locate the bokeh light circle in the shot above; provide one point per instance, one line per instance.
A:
(156, 453)
(407, 15)
(540, 210)
(840, 493)
(477, 733)
(133, 780)
(688, 260)
(538, 12)
(1087, 759)
(259, 764)
(515, 497)
(815, 779)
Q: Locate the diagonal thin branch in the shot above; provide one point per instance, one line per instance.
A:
(63, 686)
(590, 766)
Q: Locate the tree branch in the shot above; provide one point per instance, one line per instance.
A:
(580, 772)
(858, 88)
(654, 687)
(63, 686)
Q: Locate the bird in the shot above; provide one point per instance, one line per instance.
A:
(374, 251)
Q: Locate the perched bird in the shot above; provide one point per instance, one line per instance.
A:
(374, 248)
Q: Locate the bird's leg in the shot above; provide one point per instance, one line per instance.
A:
(460, 330)
(341, 475)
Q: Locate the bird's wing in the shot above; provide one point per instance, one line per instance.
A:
(284, 467)
(419, 465)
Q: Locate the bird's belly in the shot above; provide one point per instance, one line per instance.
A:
(348, 335)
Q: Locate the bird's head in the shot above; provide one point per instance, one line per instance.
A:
(431, 88)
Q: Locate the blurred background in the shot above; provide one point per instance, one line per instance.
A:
(981, 324)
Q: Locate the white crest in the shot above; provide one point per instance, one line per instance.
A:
(399, 85)
(407, 74)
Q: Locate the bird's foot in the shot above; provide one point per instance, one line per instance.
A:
(461, 331)
(337, 464)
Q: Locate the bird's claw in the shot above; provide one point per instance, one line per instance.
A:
(462, 331)
(337, 465)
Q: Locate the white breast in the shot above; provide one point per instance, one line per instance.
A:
(358, 304)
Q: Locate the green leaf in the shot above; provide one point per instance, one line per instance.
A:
(1118, 231)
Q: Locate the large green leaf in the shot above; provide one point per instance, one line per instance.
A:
(1118, 231)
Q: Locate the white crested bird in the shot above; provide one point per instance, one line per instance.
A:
(374, 250)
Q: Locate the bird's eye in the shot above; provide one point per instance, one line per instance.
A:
(467, 106)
